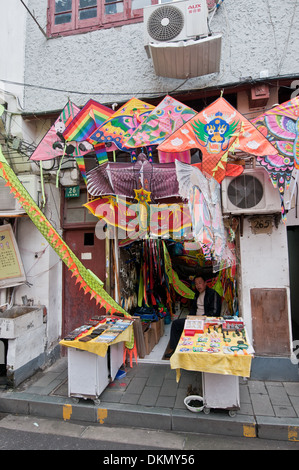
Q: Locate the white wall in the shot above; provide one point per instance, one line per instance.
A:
(263, 264)
(42, 265)
(111, 64)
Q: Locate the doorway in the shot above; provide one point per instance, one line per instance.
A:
(77, 307)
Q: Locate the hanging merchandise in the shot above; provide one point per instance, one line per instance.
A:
(173, 278)
(121, 179)
(162, 121)
(54, 145)
(86, 121)
(280, 125)
(141, 220)
(203, 195)
(214, 130)
(121, 124)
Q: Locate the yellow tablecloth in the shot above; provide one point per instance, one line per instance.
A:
(95, 347)
(238, 363)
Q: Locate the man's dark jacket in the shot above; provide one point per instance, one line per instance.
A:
(212, 303)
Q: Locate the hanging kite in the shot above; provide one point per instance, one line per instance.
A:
(122, 124)
(167, 117)
(280, 125)
(217, 129)
(203, 195)
(54, 145)
(86, 121)
(123, 178)
(142, 219)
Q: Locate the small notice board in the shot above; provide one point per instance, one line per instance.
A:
(11, 267)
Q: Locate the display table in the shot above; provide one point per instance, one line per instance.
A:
(90, 368)
(223, 353)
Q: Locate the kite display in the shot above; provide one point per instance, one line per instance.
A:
(86, 279)
(203, 195)
(122, 124)
(115, 178)
(216, 130)
(86, 121)
(167, 117)
(280, 125)
(54, 144)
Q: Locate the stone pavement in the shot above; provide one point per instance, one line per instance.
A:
(149, 397)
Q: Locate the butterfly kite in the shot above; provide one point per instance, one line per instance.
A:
(280, 125)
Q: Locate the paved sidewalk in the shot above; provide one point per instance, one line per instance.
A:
(149, 397)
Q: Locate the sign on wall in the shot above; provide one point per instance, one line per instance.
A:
(11, 268)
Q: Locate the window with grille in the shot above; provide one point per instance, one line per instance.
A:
(67, 17)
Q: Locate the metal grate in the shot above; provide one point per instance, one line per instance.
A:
(245, 191)
(165, 23)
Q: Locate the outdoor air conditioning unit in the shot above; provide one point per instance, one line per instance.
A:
(250, 193)
(8, 203)
(178, 41)
(175, 21)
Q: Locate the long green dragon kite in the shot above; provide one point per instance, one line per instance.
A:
(86, 279)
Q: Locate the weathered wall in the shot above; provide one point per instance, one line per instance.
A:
(111, 65)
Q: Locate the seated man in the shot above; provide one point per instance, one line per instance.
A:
(206, 302)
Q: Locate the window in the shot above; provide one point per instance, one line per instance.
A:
(79, 16)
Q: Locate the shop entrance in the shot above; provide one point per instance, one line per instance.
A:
(156, 279)
(77, 307)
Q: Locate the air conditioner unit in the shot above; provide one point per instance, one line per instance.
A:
(250, 193)
(175, 21)
(8, 203)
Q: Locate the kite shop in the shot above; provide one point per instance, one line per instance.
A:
(152, 238)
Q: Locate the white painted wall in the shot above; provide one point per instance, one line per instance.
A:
(111, 64)
(43, 267)
(263, 264)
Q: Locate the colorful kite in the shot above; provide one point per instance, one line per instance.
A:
(142, 220)
(86, 121)
(280, 125)
(122, 124)
(53, 144)
(216, 130)
(167, 117)
(203, 195)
